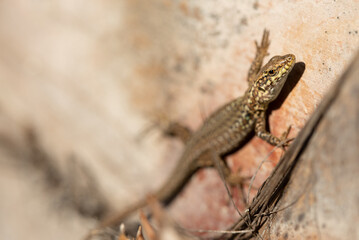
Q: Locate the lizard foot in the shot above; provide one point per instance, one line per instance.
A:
(263, 48)
(284, 140)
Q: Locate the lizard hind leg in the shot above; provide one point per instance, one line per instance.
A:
(168, 127)
(178, 130)
(207, 160)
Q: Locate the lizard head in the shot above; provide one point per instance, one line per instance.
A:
(272, 77)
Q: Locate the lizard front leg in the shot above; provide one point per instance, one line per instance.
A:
(261, 52)
(260, 131)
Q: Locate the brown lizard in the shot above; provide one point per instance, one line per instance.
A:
(227, 128)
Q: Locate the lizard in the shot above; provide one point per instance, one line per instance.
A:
(227, 128)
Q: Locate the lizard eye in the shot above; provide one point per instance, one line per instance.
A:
(271, 72)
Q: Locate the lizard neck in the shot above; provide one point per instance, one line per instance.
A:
(252, 101)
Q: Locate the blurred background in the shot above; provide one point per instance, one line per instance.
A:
(81, 80)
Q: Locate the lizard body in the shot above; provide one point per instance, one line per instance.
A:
(229, 126)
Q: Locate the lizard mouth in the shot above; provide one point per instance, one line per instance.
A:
(290, 60)
(289, 63)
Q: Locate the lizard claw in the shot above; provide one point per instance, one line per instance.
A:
(284, 141)
(285, 134)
